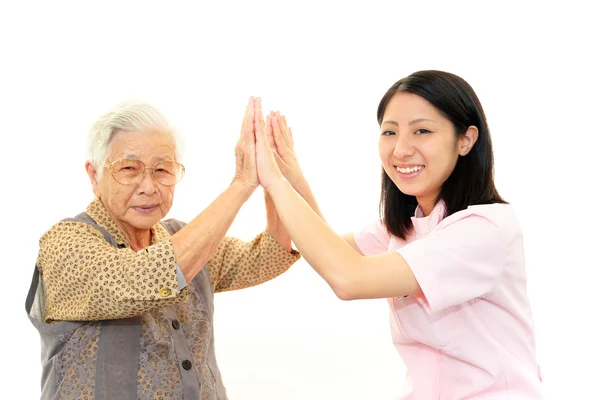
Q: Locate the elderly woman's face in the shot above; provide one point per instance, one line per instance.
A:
(137, 206)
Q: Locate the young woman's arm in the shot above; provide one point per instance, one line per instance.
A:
(350, 274)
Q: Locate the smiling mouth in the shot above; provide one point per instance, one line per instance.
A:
(409, 170)
(145, 209)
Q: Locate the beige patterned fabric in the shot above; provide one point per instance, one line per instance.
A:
(85, 278)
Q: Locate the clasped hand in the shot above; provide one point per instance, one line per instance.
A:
(265, 150)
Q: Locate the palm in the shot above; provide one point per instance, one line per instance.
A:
(280, 138)
(267, 169)
(245, 154)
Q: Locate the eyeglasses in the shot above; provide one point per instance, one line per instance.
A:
(128, 171)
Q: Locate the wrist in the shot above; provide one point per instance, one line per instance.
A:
(296, 179)
(301, 185)
(242, 188)
(279, 185)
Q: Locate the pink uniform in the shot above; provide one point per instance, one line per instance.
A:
(470, 334)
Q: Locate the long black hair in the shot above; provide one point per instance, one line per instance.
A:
(472, 181)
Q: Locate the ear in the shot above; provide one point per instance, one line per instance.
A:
(467, 140)
(93, 174)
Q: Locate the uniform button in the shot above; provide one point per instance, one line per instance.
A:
(165, 292)
(175, 324)
(186, 364)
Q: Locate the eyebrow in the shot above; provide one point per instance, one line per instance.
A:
(135, 156)
(414, 121)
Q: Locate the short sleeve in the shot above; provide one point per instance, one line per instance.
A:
(373, 239)
(457, 263)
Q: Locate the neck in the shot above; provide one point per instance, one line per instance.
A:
(138, 239)
(427, 204)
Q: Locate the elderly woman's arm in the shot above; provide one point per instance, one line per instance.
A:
(85, 278)
(237, 264)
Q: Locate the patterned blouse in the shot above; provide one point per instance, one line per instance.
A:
(87, 279)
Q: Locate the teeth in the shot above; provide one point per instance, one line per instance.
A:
(409, 170)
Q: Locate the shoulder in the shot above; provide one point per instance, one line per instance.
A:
(498, 217)
(67, 238)
(69, 228)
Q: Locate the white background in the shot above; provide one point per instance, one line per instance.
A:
(325, 65)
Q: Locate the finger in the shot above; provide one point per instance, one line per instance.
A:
(285, 135)
(259, 125)
(269, 131)
(248, 122)
(250, 104)
(279, 142)
(291, 136)
(279, 160)
(249, 109)
(259, 122)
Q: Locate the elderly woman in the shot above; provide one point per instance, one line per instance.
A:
(122, 299)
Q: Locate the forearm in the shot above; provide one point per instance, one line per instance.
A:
(275, 226)
(195, 243)
(322, 248)
(304, 190)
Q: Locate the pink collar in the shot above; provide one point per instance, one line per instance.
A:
(424, 224)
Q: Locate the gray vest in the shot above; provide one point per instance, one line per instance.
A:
(119, 342)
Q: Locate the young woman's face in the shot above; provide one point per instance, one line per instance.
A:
(419, 147)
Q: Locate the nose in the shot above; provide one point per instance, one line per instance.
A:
(148, 184)
(404, 147)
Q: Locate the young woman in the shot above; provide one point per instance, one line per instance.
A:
(447, 252)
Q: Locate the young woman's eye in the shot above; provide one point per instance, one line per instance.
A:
(422, 131)
(388, 133)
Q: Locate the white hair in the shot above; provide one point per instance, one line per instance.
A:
(129, 116)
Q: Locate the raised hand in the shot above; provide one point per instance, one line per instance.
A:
(280, 138)
(268, 171)
(245, 149)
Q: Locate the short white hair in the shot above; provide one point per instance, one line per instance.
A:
(128, 116)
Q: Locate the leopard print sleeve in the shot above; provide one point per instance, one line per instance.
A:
(85, 278)
(237, 264)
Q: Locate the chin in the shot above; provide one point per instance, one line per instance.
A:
(143, 222)
(410, 190)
